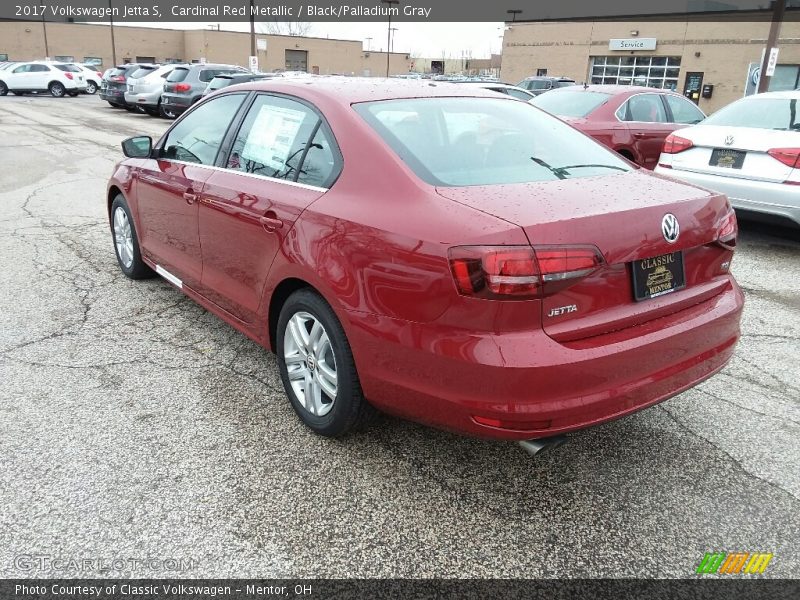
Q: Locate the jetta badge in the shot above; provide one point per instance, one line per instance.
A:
(670, 228)
(728, 140)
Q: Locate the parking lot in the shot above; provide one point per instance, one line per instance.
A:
(135, 424)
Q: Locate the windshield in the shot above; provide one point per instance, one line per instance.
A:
(568, 103)
(483, 141)
(141, 72)
(537, 84)
(762, 113)
(178, 74)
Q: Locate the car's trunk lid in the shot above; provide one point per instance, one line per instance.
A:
(622, 216)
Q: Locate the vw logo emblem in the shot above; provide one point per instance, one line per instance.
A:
(728, 140)
(670, 228)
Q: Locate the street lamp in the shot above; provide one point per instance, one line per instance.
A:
(391, 45)
(44, 31)
(389, 31)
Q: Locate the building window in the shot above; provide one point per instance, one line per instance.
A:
(785, 78)
(3, 57)
(541, 72)
(92, 60)
(172, 61)
(650, 71)
(146, 59)
(64, 58)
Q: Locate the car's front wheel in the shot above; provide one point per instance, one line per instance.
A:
(91, 88)
(57, 89)
(167, 113)
(317, 367)
(3, 89)
(126, 244)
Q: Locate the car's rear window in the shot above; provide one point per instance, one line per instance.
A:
(538, 84)
(68, 68)
(219, 82)
(483, 141)
(178, 74)
(117, 71)
(568, 103)
(141, 72)
(763, 113)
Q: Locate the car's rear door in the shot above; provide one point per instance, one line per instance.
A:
(168, 188)
(648, 124)
(281, 159)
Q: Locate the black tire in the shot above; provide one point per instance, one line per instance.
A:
(349, 407)
(56, 89)
(91, 88)
(3, 89)
(130, 107)
(18, 93)
(137, 268)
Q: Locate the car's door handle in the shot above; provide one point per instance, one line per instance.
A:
(639, 135)
(270, 221)
(190, 197)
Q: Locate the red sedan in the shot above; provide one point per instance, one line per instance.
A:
(633, 121)
(445, 254)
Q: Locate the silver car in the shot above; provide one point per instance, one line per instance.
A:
(145, 86)
(749, 150)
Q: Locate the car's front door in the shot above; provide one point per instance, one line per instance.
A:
(168, 188)
(646, 118)
(281, 160)
(41, 76)
(19, 78)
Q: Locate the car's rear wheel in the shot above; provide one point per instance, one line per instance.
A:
(91, 88)
(57, 89)
(317, 367)
(3, 89)
(126, 244)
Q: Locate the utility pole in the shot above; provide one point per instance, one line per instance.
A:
(44, 31)
(113, 44)
(778, 7)
(391, 45)
(389, 31)
(252, 31)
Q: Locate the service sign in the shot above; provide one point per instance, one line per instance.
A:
(632, 44)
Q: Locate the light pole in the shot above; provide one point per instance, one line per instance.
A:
(44, 31)
(391, 45)
(389, 31)
(113, 44)
(252, 31)
(778, 7)
(514, 12)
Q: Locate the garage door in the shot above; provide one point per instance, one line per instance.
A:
(297, 60)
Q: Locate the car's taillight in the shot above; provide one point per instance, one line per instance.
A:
(520, 272)
(727, 230)
(99, 74)
(68, 75)
(117, 79)
(675, 143)
(183, 87)
(787, 156)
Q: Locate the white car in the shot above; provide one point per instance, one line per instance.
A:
(749, 150)
(93, 77)
(59, 79)
(144, 87)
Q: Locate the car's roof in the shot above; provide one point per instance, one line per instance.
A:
(350, 90)
(612, 89)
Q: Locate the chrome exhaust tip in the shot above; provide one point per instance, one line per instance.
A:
(534, 447)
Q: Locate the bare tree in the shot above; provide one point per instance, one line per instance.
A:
(295, 28)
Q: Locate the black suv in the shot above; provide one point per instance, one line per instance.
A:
(539, 85)
(114, 84)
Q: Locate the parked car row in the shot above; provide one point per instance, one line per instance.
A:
(56, 78)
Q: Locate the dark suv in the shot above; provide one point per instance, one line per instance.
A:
(186, 84)
(539, 85)
(114, 84)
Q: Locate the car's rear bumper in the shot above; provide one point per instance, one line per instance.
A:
(445, 378)
(117, 96)
(776, 199)
(145, 99)
(175, 102)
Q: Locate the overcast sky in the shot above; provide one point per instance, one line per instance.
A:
(428, 40)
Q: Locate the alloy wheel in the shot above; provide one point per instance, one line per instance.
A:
(123, 237)
(310, 363)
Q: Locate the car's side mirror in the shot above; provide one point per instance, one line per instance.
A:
(140, 146)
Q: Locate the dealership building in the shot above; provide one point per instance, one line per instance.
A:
(80, 42)
(712, 62)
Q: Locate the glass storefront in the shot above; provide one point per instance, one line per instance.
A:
(650, 71)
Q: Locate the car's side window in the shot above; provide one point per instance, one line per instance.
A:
(275, 140)
(518, 94)
(197, 137)
(684, 111)
(644, 108)
(22, 69)
(39, 68)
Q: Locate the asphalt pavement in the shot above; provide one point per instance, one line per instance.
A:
(135, 425)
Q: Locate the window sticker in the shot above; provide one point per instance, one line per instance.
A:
(271, 138)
